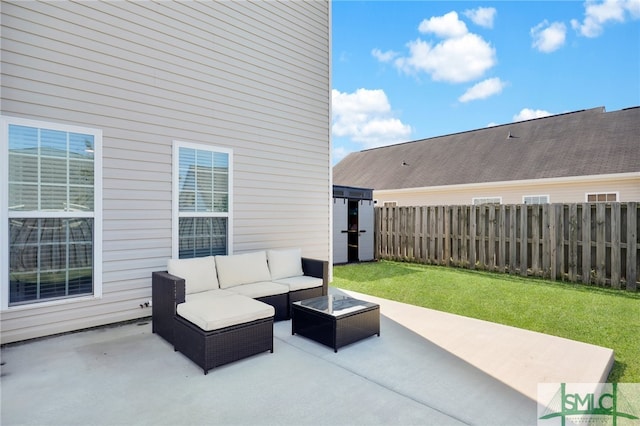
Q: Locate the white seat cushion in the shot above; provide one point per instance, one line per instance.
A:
(215, 313)
(199, 273)
(285, 263)
(208, 295)
(243, 268)
(301, 283)
(261, 289)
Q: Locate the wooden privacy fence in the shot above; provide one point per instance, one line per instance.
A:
(592, 243)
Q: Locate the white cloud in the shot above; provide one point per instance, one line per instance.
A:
(384, 56)
(597, 14)
(548, 37)
(633, 7)
(530, 114)
(445, 26)
(365, 116)
(462, 56)
(456, 60)
(483, 90)
(482, 16)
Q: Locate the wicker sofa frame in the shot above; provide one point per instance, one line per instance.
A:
(209, 349)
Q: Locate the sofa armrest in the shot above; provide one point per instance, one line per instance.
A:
(318, 269)
(167, 291)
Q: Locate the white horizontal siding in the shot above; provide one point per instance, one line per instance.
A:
(250, 76)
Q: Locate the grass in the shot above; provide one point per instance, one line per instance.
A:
(600, 316)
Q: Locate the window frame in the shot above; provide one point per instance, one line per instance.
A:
(478, 201)
(524, 197)
(605, 193)
(5, 214)
(175, 195)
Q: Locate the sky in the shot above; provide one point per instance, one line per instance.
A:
(410, 70)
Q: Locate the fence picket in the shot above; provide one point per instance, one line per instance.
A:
(615, 246)
(502, 240)
(482, 238)
(573, 242)
(472, 236)
(586, 243)
(535, 239)
(546, 242)
(601, 247)
(632, 246)
(523, 240)
(454, 235)
(513, 244)
(464, 237)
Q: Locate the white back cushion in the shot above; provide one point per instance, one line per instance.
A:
(285, 263)
(244, 268)
(199, 273)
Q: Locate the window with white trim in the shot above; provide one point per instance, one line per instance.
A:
(487, 200)
(596, 197)
(202, 200)
(51, 213)
(535, 199)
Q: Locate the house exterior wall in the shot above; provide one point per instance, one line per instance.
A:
(565, 190)
(253, 77)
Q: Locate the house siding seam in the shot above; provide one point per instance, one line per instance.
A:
(250, 76)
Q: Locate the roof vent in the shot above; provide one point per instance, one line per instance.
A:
(510, 136)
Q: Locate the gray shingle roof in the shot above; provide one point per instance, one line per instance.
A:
(587, 142)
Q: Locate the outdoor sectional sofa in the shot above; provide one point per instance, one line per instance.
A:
(219, 309)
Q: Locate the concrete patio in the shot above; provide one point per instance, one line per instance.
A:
(427, 367)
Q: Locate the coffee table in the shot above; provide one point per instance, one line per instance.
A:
(335, 320)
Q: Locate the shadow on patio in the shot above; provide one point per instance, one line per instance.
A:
(427, 367)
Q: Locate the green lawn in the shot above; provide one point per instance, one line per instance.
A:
(603, 317)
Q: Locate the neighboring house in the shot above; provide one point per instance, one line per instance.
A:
(133, 132)
(588, 155)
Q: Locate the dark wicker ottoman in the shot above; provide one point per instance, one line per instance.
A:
(210, 349)
(335, 321)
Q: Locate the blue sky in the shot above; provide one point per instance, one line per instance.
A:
(408, 70)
